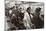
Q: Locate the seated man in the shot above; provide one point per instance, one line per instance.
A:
(17, 19)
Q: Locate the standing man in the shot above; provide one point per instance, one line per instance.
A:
(27, 18)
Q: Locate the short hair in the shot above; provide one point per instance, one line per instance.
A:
(28, 8)
(38, 9)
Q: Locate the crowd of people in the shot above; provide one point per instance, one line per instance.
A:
(24, 19)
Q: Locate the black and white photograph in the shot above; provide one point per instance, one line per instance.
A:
(23, 15)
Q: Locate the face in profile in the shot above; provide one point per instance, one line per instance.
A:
(29, 9)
